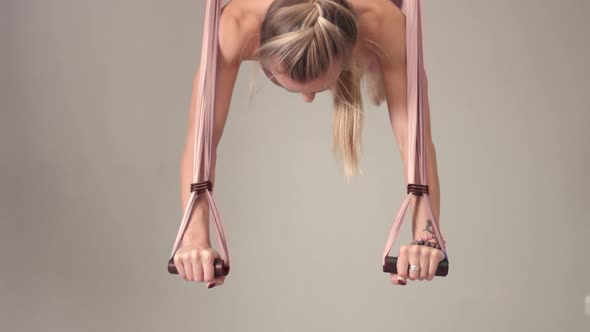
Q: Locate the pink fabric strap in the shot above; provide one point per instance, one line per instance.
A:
(416, 79)
(205, 104)
(204, 119)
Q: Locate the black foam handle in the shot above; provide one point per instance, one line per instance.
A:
(390, 266)
(220, 268)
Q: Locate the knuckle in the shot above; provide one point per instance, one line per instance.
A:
(426, 253)
(437, 254)
(403, 273)
(403, 250)
(415, 250)
(206, 255)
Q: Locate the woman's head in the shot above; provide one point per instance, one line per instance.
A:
(306, 46)
(307, 41)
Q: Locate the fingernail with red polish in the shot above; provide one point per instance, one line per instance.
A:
(211, 286)
(402, 282)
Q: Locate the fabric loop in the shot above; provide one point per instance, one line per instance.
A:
(203, 130)
(416, 81)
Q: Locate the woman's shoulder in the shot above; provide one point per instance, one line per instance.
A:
(240, 26)
(377, 16)
(381, 28)
(377, 9)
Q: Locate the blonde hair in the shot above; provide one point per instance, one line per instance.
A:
(306, 37)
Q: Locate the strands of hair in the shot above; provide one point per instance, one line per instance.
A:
(306, 38)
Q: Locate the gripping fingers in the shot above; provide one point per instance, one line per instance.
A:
(208, 257)
(414, 259)
(188, 267)
(179, 266)
(197, 266)
(424, 263)
(432, 266)
(436, 257)
(402, 262)
(216, 282)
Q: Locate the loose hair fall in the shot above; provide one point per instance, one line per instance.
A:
(306, 37)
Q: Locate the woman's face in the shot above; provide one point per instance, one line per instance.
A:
(326, 81)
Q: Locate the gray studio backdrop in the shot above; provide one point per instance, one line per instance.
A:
(94, 104)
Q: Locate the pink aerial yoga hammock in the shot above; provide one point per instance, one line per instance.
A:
(416, 77)
(205, 103)
(205, 110)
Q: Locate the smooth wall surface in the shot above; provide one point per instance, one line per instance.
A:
(94, 104)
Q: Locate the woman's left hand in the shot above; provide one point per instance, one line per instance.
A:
(424, 256)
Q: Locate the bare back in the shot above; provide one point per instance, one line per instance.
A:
(372, 14)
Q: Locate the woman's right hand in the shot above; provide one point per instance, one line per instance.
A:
(195, 263)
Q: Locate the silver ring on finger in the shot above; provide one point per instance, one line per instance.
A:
(414, 267)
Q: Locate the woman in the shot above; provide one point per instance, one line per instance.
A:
(306, 47)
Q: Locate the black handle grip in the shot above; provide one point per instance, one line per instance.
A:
(390, 266)
(221, 269)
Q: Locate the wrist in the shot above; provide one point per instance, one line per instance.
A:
(196, 240)
(197, 232)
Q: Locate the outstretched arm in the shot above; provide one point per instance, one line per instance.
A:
(394, 75)
(423, 260)
(228, 62)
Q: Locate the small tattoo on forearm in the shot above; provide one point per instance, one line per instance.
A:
(428, 227)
